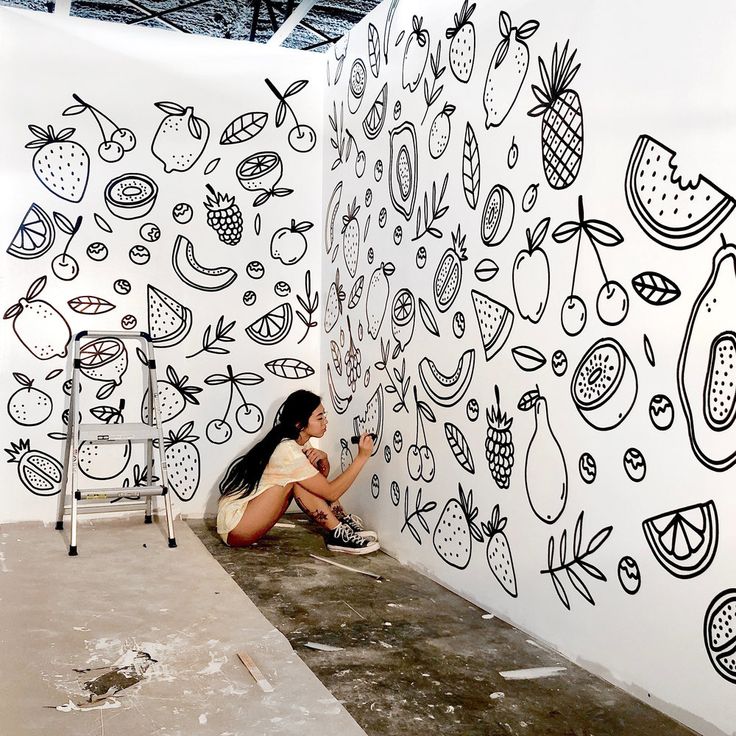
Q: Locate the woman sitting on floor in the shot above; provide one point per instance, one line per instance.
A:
(259, 485)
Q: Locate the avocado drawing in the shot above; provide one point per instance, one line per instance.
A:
(706, 368)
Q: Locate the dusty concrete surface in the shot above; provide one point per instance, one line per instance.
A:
(416, 658)
(132, 637)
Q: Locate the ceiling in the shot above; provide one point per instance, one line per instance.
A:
(301, 24)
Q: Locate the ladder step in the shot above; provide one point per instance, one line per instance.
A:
(123, 492)
(103, 508)
(117, 432)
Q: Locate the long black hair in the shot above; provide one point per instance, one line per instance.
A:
(245, 471)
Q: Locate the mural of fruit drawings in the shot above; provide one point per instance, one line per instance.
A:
(499, 443)
(272, 327)
(672, 210)
(459, 446)
(507, 69)
(38, 471)
(456, 529)
(559, 363)
(419, 457)
(447, 390)
(498, 216)
(209, 341)
(60, 164)
(224, 216)
(374, 50)
(587, 468)
(182, 213)
(376, 299)
(174, 396)
(339, 403)
(64, 266)
(351, 237)
(248, 417)
(193, 273)
(449, 274)
(353, 365)
(562, 119)
(356, 86)
(288, 244)
(707, 365)
(528, 358)
(104, 359)
(169, 322)
(498, 552)
(628, 575)
(105, 460)
(432, 94)
(655, 288)
(718, 629)
(530, 197)
(242, 129)
(290, 368)
(35, 234)
(403, 175)
(372, 419)
(486, 270)
(29, 406)
(426, 225)
(261, 172)
(545, 470)
(440, 131)
(131, 196)
(417, 515)
(403, 317)
(462, 43)
(684, 541)
(530, 275)
(661, 412)
(416, 52)
(302, 138)
(181, 137)
(512, 156)
(635, 464)
(376, 116)
(182, 460)
(495, 321)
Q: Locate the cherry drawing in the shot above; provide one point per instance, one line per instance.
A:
(248, 417)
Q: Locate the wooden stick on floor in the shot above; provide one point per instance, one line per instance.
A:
(258, 676)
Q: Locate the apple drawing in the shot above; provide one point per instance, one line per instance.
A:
(288, 244)
(530, 275)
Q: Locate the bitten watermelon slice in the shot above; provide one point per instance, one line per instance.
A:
(673, 214)
(495, 321)
(169, 321)
(372, 420)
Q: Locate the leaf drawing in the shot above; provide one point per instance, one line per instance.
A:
(459, 446)
(374, 49)
(418, 514)
(291, 368)
(221, 335)
(244, 128)
(428, 318)
(471, 168)
(90, 305)
(655, 288)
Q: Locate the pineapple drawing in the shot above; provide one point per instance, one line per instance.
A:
(499, 444)
(224, 216)
(562, 119)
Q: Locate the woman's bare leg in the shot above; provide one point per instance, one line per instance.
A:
(260, 515)
(315, 507)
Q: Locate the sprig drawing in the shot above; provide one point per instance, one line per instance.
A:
(394, 373)
(431, 95)
(221, 335)
(418, 514)
(437, 212)
(309, 304)
(340, 141)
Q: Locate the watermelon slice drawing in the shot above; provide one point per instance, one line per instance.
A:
(675, 213)
(169, 321)
(372, 420)
(495, 321)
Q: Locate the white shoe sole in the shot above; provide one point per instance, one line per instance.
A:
(369, 535)
(373, 547)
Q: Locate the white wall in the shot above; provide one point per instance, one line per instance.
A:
(652, 69)
(123, 72)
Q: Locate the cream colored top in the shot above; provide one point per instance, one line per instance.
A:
(287, 464)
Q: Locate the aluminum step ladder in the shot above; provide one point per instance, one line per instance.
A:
(107, 500)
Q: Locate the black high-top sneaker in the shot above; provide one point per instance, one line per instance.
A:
(356, 524)
(343, 539)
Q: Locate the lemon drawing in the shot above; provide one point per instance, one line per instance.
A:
(376, 116)
(261, 171)
(104, 359)
(272, 327)
(35, 235)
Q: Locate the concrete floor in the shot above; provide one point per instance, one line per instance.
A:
(417, 659)
(128, 593)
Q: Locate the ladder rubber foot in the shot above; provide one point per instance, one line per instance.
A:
(59, 526)
(148, 519)
(172, 542)
(73, 551)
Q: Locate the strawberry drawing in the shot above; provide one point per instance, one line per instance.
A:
(507, 70)
(416, 52)
(462, 45)
(439, 133)
(456, 529)
(498, 552)
(60, 164)
(351, 237)
(182, 461)
(333, 307)
(173, 396)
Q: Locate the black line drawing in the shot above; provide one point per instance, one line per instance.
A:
(372, 419)
(342, 140)
(648, 351)
(428, 319)
(339, 403)
(378, 175)
(182, 461)
(498, 552)
(495, 321)
(209, 342)
(421, 257)
(562, 119)
(346, 456)
(356, 292)
(486, 270)
(635, 464)
(150, 232)
(512, 158)
(387, 28)
(420, 458)
(340, 50)
(403, 317)
(628, 575)
(398, 233)
(181, 137)
(432, 95)
(39, 325)
(121, 286)
(352, 360)
(257, 223)
(356, 85)
(302, 138)
(104, 461)
(90, 304)
(169, 321)
(655, 288)
(261, 172)
(242, 129)
(139, 254)
(579, 557)
(498, 216)
(559, 363)
(419, 510)
(504, 80)
(35, 234)
(604, 385)
(528, 358)
(120, 140)
(255, 270)
(447, 389)
(211, 166)
(612, 304)
(248, 416)
(375, 480)
(587, 468)
(249, 298)
(104, 359)
(39, 472)
(398, 441)
(273, 326)
(459, 446)
(458, 324)
(499, 443)
(462, 45)
(705, 367)
(374, 50)
(376, 298)
(288, 244)
(449, 273)
(182, 213)
(672, 209)
(661, 412)
(545, 469)
(193, 273)
(398, 380)
(440, 130)
(684, 541)
(351, 237)
(456, 529)
(291, 368)
(174, 395)
(65, 266)
(128, 321)
(416, 52)
(333, 207)
(97, 251)
(397, 106)
(29, 406)
(309, 303)
(333, 304)
(719, 634)
(53, 151)
(530, 275)
(224, 216)
(102, 223)
(530, 197)
(403, 175)
(131, 196)
(471, 168)
(472, 410)
(376, 116)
